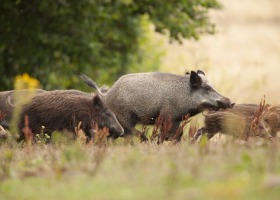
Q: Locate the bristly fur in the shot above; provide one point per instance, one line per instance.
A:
(7, 103)
(236, 121)
(142, 97)
(62, 109)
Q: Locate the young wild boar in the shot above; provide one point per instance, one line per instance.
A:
(142, 97)
(8, 101)
(236, 121)
(271, 119)
(62, 109)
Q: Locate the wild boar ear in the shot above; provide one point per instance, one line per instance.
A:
(97, 102)
(195, 79)
(200, 72)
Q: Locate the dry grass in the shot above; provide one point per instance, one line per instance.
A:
(256, 122)
(2, 115)
(162, 127)
(145, 170)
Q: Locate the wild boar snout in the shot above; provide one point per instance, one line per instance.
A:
(225, 103)
(264, 131)
(116, 128)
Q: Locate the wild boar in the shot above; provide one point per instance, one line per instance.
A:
(236, 121)
(8, 101)
(271, 119)
(142, 97)
(60, 109)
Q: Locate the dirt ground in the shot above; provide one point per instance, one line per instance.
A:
(242, 59)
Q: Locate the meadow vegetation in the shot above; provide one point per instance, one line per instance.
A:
(71, 169)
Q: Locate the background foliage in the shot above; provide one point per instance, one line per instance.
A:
(53, 41)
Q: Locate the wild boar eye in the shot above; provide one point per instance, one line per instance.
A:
(208, 88)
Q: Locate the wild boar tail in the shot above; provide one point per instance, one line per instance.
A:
(91, 83)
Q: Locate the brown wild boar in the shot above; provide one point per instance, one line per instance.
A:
(62, 109)
(8, 101)
(271, 119)
(234, 121)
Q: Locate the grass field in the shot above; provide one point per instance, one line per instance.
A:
(214, 170)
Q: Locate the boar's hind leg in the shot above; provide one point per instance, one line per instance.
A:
(200, 132)
(196, 135)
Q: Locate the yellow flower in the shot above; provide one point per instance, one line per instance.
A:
(26, 82)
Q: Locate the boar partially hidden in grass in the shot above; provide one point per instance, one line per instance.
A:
(142, 97)
(236, 121)
(63, 110)
(271, 119)
(8, 101)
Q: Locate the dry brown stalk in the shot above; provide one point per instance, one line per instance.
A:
(165, 128)
(193, 129)
(179, 132)
(27, 131)
(255, 124)
(161, 129)
(80, 133)
(100, 135)
(156, 128)
(2, 115)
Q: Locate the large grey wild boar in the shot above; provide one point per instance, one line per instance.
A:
(236, 121)
(142, 97)
(8, 102)
(62, 109)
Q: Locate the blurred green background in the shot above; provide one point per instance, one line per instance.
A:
(54, 41)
